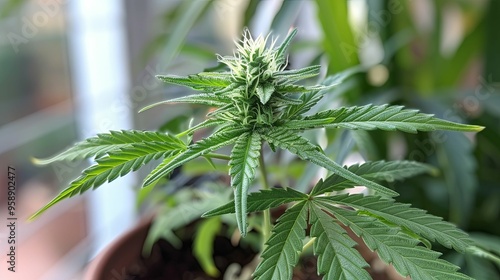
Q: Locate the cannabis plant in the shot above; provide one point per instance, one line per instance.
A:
(258, 102)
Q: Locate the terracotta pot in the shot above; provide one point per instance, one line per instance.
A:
(123, 253)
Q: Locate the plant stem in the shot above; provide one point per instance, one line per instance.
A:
(266, 226)
(218, 156)
(308, 244)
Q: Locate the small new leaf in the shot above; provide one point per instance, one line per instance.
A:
(264, 92)
(284, 46)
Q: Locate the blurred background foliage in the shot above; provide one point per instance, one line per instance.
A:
(439, 56)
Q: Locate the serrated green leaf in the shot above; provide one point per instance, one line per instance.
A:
(337, 259)
(203, 124)
(244, 161)
(336, 79)
(283, 101)
(396, 248)
(308, 124)
(390, 118)
(103, 143)
(413, 219)
(165, 162)
(308, 101)
(202, 99)
(224, 137)
(376, 171)
(222, 111)
(296, 144)
(281, 51)
(283, 247)
(197, 82)
(262, 200)
(291, 88)
(298, 74)
(112, 166)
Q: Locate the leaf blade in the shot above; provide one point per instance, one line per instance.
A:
(284, 245)
(244, 161)
(337, 257)
(107, 169)
(221, 138)
(197, 81)
(376, 170)
(296, 144)
(413, 219)
(389, 118)
(201, 99)
(104, 143)
(396, 248)
(298, 74)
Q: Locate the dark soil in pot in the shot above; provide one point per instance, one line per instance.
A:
(123, 261)
(167, 262)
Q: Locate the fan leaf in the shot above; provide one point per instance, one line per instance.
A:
(224, 137)
(244, 161)
(115, 164)
(298, 74)
(198, 82)
(412, 219)
(296, 144)
(388, 118)
(376, 171)
(284, 245)
(397, 248)
(308, 101)
(337, 259)
(280, 55)
(104, 143)
(202, 99)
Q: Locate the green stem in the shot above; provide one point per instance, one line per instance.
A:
(308, 244)
(266, 226)
(218, 156)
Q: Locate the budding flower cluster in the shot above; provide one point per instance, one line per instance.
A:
(253, 66)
